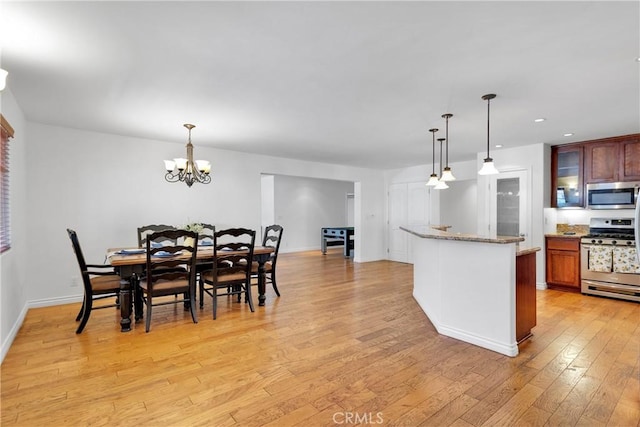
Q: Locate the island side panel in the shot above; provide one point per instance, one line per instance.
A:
(467, 289)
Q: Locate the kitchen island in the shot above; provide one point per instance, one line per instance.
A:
(466, 285)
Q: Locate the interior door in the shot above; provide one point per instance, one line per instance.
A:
(510, 204)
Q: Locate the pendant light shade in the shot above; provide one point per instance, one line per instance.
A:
(488, 168)
(433, 179)
(447, 175)
(442, 185)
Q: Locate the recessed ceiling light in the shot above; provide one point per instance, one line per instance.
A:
(638, 59)
(498, 145)
(568, 134)
(541, 119)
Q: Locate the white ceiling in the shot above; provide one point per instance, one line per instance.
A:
(356, 83)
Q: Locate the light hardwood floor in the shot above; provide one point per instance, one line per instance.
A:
(345, 344)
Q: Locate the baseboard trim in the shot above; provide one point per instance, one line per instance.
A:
(46, 302)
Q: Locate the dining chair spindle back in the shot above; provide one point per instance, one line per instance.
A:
(169, 272)
(271, 237)
(99, 281)
(230, 272)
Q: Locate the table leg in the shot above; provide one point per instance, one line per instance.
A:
(125, 306)
(261, 282)
(137, 298)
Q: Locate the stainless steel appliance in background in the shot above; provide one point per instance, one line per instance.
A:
(613, 195)
(637, 231)
(609, 258)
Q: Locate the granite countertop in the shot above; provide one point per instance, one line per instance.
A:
(429, 233)
(527, 251)
(566, 236)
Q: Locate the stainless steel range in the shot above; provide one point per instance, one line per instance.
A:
(608, 262)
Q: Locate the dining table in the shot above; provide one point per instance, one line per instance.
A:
(130, 263)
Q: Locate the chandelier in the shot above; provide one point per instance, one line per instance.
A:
(187, 170)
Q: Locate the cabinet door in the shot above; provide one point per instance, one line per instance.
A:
(567, 176)
(630, 159)
(563, 268)
(602, 162)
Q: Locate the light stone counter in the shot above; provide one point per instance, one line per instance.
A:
(465, 284)
(428, 233)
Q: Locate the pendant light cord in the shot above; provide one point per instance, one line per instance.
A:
(488, 111)
(433, 153)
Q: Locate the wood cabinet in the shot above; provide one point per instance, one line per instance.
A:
(612, 159)
(563, 263)
(567, 167)
(630, 158)
(573, 166)
(601, 163)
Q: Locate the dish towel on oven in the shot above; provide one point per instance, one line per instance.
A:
(600, 258)
(625, 261)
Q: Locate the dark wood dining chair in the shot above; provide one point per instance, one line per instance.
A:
(170, 270)
(146, 230)
(271, 237)
(100, 281)
(206, 235)
(230, 271)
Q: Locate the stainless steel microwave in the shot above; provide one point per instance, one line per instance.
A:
(612, 195)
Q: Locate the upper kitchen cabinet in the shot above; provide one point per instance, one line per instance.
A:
(613, 159)
(567, 176)
(630, 159)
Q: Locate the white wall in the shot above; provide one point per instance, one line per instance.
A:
(304, 205)
(13, 263)
(267, 200)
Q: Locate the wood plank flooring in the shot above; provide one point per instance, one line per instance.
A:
(346, 344)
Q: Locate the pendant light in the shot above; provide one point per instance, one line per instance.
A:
(447, 175)
(433, 179)
(488, 168)
(442, 185)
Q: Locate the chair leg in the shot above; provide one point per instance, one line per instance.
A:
(215, 301)
(87, 305)
(201, 292)
(248, 295)
(192, 306)
(273, 282)
(79, 316)
(148, 319)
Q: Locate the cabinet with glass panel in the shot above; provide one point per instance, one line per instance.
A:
(567, 176)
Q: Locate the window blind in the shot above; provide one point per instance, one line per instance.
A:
(5, 212)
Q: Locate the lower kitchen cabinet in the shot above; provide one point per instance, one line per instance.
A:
(563, 263)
